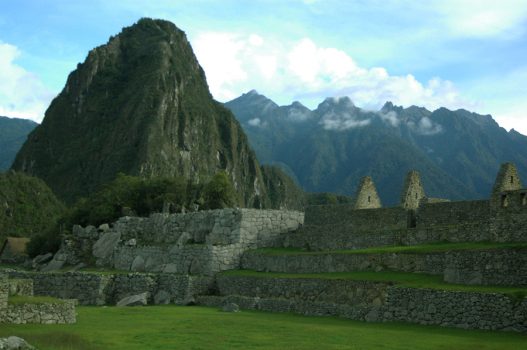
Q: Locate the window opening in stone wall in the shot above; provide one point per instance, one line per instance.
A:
(523, 198)
(512, 179)
(415, 195)
(369, 199)
(412, 220)
(504, 201)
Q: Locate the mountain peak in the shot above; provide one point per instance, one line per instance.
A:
(139, 105)
(388, 105)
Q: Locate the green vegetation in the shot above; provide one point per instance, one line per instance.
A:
(139, 196)
(18, 300)
(13, 133)
(220, 193)
(416, 249)
(175, 327)
(28, 207)
(402, 279)
(283, 191)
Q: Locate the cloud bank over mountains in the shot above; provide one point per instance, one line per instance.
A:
(304, 71)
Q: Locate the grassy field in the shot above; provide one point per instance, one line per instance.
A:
(177, 327)
(403, 279)
(416, 249)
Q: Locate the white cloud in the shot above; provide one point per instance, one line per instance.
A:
(341, 121)
(302, 70)
(483, 18)
(390, 118)
(425, 126)
(255, 122)
(22, 94)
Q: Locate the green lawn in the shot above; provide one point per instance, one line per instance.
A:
(177, 327)
(403, 279)
(416, 249)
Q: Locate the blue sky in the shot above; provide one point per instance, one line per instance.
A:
(457, 54)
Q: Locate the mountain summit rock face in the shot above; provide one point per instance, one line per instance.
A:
(139, 105)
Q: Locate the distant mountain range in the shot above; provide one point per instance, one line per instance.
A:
(329, 149)
(13, 134)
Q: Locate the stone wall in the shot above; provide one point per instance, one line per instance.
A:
(505, 267)
(22, 287)
(108, 289)
(432, 263)
(334, 227)
(374, 302)
(487, 267)
(320, 290)
(468, 310)
(510, 223)
(348, 218)
(4, 291)
(200, 243)
(453, 213)
(62, 311)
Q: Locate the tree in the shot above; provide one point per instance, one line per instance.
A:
(220, 193)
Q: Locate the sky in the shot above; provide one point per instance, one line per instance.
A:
(445, 53)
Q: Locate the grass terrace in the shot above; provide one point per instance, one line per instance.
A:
(175, 327)
(402, 279)
(417, 249)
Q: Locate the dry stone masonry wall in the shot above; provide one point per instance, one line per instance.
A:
(107, 289)
(30, 311)
(374, 302)
(199, 243)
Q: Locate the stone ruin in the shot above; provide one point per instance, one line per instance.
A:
(179, 258)
(366, 196)
(59, 311)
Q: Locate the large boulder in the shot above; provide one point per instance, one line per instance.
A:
(134, 300)
(15, 343)
(103, 248)
(138, 265)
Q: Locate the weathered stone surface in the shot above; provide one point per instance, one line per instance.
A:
(53, 265)
(162, 297)
(367, 196)
(170, 268)
(104, 227)
(103, 248)
(413, 191)
(197, 243)
(138, 265)
(22, 287)
(15, 343)
(41, 259)
(134, 300)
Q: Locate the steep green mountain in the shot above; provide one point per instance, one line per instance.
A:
(330, 148)
(27, 206)
(13, 134)
(140, 105)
